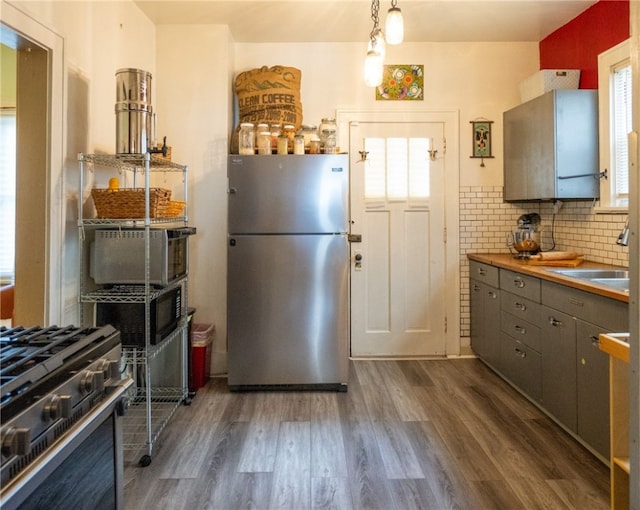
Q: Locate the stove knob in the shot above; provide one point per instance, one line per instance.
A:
(56, 407)
(52, 408)
(16, 441)
(92, 380)
(111, 369)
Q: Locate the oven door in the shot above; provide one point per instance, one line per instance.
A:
(82, 469)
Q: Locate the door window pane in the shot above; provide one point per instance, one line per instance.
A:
(396, 169)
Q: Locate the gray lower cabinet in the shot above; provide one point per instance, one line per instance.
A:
(593, 395)
(545, 343)
(485, 329)
(559, 366)
(485, 309)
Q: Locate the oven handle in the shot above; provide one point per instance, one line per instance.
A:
(37, 472)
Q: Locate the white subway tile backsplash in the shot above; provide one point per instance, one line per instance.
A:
(486, 221)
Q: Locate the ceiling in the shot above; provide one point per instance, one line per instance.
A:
(350, 20)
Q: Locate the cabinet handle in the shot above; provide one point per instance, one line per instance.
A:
(520, 353)
(481, 271)
(476, 287)
(492, 294)
(555, 322)
(576, 302)
(520, 306)
(595, 341)
(518, 282)
(520, 329)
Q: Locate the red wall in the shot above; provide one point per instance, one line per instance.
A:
(577, 44)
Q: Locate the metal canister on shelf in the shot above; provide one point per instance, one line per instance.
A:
(289, 131)
(246, 139)
(298, 144)
(283, 145)
(325, 125)
(329, 141)
(264, 142)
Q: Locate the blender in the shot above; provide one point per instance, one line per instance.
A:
(526, 238)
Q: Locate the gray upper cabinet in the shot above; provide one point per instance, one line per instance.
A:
(551, 147)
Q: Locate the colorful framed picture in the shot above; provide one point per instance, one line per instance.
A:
(401, 83)
(481, 138)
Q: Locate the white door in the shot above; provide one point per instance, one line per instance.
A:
(398, 268)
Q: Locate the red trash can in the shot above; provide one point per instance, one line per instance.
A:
(201, 338)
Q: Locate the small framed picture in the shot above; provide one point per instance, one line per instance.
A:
(401, 83)
(481, 138)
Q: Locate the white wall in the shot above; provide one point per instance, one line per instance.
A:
(194, 112)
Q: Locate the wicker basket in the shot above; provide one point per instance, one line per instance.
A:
(174, 209)
(129, 202)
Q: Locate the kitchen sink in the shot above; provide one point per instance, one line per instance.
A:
(590, 274)
(615, 278)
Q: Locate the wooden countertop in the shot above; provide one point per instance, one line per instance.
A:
(507, 261)
(615, 344)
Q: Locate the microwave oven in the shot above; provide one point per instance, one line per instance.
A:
(165, 312)
(117, 256)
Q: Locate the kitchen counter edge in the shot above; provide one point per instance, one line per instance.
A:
(507, 261)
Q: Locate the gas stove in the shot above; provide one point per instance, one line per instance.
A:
(52, 380)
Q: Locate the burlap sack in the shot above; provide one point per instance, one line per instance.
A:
(269, 95)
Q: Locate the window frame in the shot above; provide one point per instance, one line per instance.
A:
(608, 62)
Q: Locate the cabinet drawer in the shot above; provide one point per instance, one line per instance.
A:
(521, 307)
(484, 273)
(522, 366)
(520, 330)
(520, 284)
(612, 315)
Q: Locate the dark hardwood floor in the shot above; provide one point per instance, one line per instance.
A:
(436, 434)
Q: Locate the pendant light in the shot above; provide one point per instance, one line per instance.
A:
(375, 51)
(373, 69)
(394, 24)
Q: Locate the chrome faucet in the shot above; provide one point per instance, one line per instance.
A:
(623, 237)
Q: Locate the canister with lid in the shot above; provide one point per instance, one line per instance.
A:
(329, 141)
(283, 145)
(324, 125)
(289, 130)
(314, 145)
(298, 144)
(308, 131)
(264, 142)
(276, 131)
(246, 139)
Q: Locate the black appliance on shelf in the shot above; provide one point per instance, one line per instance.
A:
(62, 399)
(165, 311)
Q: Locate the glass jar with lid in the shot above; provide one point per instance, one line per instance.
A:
(330, 142)
(289, 130)
(324, 125)
(298, 144)
(263, 141)
(308, 131)
(246, 139)
(276, 131)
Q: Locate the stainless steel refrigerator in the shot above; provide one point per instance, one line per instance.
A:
(288, 270)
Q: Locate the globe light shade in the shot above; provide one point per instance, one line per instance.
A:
(394, 26)
(373, 69)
